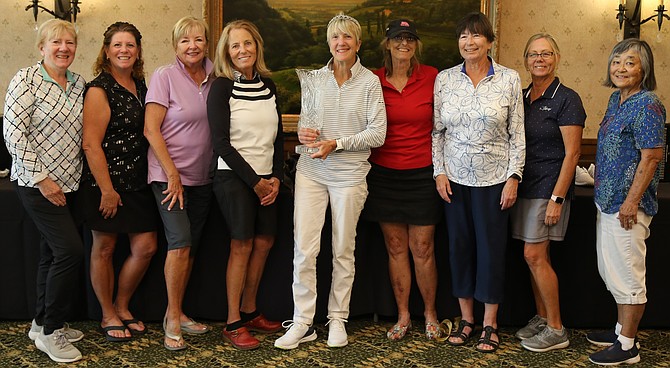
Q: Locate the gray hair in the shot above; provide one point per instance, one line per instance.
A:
(646, 60)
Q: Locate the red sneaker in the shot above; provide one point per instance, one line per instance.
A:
(241, 339)
(263, 325)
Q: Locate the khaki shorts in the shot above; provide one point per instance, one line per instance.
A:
(527, 219)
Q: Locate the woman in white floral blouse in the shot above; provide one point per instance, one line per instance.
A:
(478, 158)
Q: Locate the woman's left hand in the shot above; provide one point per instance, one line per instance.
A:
(325, 148)
(553, 213)
(628, 215)
(508, 196)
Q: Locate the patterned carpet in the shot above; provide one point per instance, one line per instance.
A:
(368, 347)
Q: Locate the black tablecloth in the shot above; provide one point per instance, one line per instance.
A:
(584, 300)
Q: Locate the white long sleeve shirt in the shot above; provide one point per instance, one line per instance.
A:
(355, 116)
(478, 135)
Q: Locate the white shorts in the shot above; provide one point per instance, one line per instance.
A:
(621, 256)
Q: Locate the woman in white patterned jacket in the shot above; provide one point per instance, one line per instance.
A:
(478, 158)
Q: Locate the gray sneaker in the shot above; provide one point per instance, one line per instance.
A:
(71, 334)
(547, 339)
(35, 330)
(57, 347)
(534, 326)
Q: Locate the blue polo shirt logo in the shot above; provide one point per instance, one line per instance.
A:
(545, 108)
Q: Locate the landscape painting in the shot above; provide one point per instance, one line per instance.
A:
(294, 32)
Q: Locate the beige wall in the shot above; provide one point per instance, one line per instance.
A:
(154, 18)
(586, 31)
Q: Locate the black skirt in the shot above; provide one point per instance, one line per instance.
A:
(402, 196)
(137, 215)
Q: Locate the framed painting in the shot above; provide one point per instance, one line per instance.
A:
(294, 32)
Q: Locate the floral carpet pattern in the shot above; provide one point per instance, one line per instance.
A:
(368, 347)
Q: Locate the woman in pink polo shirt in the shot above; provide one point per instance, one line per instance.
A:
(181, 150)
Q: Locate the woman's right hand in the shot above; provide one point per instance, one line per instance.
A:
(174, 192)
(443, 187)
(109, 203)
(308, 135)
(52, 192)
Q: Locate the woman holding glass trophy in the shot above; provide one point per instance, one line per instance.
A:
(352, 121)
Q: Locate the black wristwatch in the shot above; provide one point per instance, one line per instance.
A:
(557, 199)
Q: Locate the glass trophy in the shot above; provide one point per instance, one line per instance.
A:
(312, 83)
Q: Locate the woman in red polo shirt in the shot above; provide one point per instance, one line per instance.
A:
(402, 195)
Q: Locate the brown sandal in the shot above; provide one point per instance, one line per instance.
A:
(460, 334)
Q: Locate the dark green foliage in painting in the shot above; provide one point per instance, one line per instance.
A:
(295, 36)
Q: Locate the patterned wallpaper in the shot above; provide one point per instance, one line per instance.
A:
(154, 19)
(586, 31)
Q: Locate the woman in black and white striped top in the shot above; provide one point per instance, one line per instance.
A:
(248, 146)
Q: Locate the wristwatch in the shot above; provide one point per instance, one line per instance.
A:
(557, 199)
(338, 147)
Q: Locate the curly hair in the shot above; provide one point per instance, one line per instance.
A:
(103, 64)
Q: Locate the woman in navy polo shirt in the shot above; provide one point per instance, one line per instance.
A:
(554, 119)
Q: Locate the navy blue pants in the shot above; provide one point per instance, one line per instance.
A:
(477, 229)
(61, 255)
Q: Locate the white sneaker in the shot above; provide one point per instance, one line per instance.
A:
(337, 334)
(57, 347)
(296, 333)
(71, 334)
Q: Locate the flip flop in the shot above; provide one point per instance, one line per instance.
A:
(178, 338)
(134, 321)
(187, 327)
(110, 338)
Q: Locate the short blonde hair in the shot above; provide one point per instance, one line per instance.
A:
(185, 26)
(52, 29)
(342, 23)
(223, 64)
(539, 36)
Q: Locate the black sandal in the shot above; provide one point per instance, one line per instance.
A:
(488, 331)
(460, 334)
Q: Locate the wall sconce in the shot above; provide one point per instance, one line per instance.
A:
(629, 17)
(63, 9)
